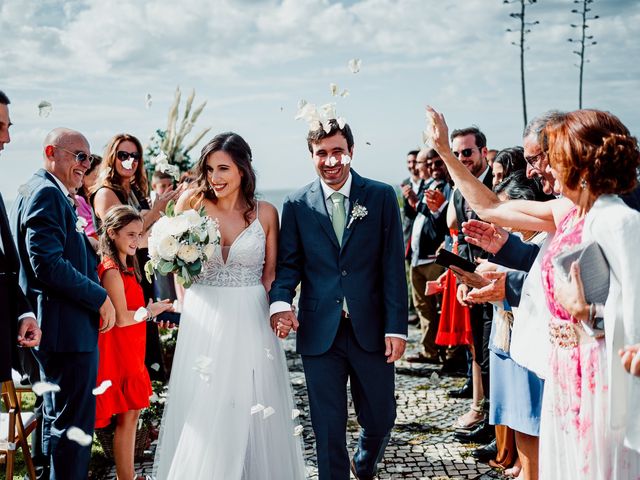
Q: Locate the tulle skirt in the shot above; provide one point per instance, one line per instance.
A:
(229, 406)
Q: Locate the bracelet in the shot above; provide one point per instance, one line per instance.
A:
(150, 316)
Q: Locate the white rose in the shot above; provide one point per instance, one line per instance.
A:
(161, 227)
(193, 218)
(168, 247)
(212, 230)
(153, 248)
(188, 253)
(209, 250)
(178, 225)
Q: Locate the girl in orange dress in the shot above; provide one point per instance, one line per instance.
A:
(122, 348)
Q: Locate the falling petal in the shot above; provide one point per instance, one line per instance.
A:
(100, 389)
(328, 111)
(354, 65)
(341, 122)
(267, 412)
(44, 108)
(76, 435)
(128, 164)
(326, 125)
(140, 314)
(298, 430)
(40, 388)
(202, 365)
(331, 162)
(160, 158)
(295, 413)
(154, 398)
(148, 101)
(282, 109)
(434, 379)
(257, 408)
(301, 103)
(344, 93)
(333, 88)
(269, 354)
(346, 160)
(315, 125)
(368, 143)
(155, 366)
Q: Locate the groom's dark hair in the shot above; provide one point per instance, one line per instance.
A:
(316, 136)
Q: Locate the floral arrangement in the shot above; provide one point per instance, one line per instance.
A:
(181, 243)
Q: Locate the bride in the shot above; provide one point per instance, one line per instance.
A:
(229, 406)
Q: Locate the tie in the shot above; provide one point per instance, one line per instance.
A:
(338, 215)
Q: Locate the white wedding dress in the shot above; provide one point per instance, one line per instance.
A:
(228, 363)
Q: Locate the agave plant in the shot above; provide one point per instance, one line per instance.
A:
(171, 140)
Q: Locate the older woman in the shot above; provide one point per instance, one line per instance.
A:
(587, 422)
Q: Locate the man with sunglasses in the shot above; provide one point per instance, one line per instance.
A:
(58, 274)
(429, 230)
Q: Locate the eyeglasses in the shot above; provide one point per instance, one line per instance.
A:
(465, 152)
(533, 159)
(80, 157)
(436, 163)
(124, 156)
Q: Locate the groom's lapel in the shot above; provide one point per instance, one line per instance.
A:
(356, 196)
(318, 205)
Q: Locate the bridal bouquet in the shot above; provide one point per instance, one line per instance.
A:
(180, 244)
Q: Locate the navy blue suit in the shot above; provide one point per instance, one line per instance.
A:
(368, 271)
(58, 274)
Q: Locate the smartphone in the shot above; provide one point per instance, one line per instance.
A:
(447, 258)
(171, 317)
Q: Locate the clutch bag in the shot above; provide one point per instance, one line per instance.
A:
(594, 270)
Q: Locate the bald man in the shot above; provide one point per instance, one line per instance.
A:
(59, 276)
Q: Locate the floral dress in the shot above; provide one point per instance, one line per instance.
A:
(575, 440)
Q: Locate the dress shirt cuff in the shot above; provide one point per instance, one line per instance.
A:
(25, 315)
(438, 212)
(278, 307)
(396, 335)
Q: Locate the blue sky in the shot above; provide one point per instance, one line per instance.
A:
(252, 60)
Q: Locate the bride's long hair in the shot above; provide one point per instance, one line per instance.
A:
(240, 152)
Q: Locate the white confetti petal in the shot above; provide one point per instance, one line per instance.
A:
(295, 413)
(148, 101)
(140, 314)
(331, 161)
(434, 379)
(40, 388)
(333, 88)
(344, 93)
(100, 389)
(297, 431)
(202, 365)
(155, 366)
(341, 122)
(128, 164)
(267, 412)
(354, 65)
(326, 126)
(81, 224)
(269, 354)
(44, 108)
(346, 160)
(258, 407)
(301, 103)
(76, 435)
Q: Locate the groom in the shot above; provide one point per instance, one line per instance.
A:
(341, 237)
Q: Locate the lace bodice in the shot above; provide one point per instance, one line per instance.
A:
(244, 264)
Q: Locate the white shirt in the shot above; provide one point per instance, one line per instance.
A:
(418, 223)
(277, 307)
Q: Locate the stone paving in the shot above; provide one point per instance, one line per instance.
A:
(422, 444)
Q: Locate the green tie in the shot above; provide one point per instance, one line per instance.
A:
(338, 215)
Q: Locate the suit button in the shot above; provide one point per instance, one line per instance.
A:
(338, 300)
(344, 273)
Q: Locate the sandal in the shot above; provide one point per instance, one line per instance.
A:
(459, 425)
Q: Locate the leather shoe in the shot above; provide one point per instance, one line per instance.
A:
(486, 452)
(421, 358)
(482, 434)
(413, 319)
(359, 477)
(466, 391)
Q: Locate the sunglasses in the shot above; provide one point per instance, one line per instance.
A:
(465, 152)
(437, 163)
(124, 156)
(79, 156)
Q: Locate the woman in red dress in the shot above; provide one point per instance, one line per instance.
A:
(122, 348)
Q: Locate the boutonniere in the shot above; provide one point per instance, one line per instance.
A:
(357, 213)
(81, 224)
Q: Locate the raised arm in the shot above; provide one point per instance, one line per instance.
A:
(522, 214)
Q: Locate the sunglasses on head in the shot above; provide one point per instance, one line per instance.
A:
(79, 156)
(124, 156)
(465, 152)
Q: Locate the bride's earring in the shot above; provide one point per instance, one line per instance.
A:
(583, 184)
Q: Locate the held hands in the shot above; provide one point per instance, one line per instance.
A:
(108, 315)
(571, 294)
(283, 322)
(394, 348)
(29, 333)
(485, 235)
(630, 358)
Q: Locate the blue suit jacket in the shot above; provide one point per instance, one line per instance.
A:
(367, 270)
(58, 267)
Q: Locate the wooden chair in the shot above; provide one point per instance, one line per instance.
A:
(15, 428)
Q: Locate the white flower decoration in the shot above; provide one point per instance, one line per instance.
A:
(168, 248)
(354, 65)
(357, 213)
(77, 435)
(81, 224)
